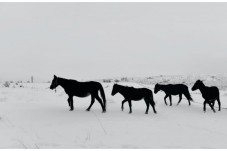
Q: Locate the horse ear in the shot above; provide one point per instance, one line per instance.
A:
(55, 76)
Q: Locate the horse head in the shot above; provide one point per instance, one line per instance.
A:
(114, 90)
(197, 85)
(156, 88)
(54, 83)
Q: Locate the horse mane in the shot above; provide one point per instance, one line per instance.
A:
(126, 86)
(201, 82)
(122, 86)
(162, 84)
(66, 79)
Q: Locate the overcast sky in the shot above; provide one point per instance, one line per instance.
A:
(98, 40)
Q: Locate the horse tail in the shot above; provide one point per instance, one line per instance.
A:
(152, 99)
(219, 101)
(187, 95)
(103, 96)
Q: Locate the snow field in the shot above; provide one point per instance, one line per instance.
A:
(36, 117)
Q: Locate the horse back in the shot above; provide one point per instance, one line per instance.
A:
(82, 89)
(175, 89)
(137, 93)
(89, 85)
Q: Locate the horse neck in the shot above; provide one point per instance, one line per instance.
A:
(162, 87)
(120, 89)
(202, 88)
(62, 82)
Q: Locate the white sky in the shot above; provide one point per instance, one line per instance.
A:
(98, 40)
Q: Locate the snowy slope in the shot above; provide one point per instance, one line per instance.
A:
(36, 117)
(218, 80)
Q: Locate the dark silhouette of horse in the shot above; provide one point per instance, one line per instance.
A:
(80, 89)
(210, 94)
(173, 89)
(134, 94)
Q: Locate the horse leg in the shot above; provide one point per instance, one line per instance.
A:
(219, 104)
(122, 104)
(204, 106)
(130, 106)
(165, 99)
(148, 105)
(151, 101)
(189, 102)
(212, 103)
(100, 101)
(170, 100)
(180, 98)
(71, 103)
(92, 102)
(153, 108)
(211, 106)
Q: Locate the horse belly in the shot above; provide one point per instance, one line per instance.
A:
(173, 93)
(136, 98)
(85, 94)
(176, 93)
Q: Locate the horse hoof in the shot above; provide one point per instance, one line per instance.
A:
(87, 109)
(103, 111)
(71, 110)
(146, 112)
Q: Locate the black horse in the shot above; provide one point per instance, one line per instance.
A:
(80, 89)
(174, 89)
(210, 94)
(134, 94)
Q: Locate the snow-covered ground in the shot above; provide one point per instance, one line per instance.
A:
(33, 116)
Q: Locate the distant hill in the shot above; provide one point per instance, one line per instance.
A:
(210, 80)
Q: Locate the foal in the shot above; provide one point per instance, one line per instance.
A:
(134, 94)
(174, 89)
(210, 94)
